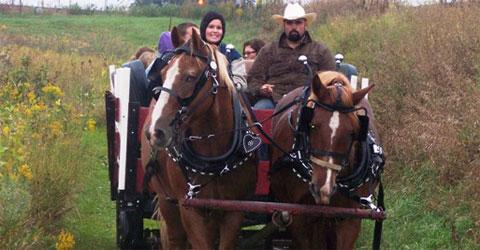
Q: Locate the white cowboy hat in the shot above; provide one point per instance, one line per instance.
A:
(293, 12)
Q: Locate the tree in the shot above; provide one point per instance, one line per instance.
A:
(141, 3)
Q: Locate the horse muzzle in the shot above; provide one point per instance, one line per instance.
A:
(323, 194)
(159, 139)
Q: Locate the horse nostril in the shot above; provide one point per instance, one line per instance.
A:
(334, 189)
(312, 188)
(147, 134)
(159, 137)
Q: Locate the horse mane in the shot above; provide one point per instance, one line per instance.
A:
(329, 79)
(222, 65)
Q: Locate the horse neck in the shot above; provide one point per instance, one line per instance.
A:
(218, 118)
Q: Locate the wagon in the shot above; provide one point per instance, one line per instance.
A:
(125, 116)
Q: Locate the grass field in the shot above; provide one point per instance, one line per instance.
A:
(424, 62)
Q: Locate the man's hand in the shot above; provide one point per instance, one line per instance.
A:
(266, 90)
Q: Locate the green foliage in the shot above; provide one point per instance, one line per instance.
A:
(42, 157)
(76, 9)
(140, 3)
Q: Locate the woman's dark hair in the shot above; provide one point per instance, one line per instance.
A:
(256, 44)
(182, 28)
(210, 16)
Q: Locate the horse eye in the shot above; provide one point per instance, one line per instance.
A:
(190, 78)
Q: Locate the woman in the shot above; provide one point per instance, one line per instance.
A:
(164, 42)
(251, 48)
(212, 30)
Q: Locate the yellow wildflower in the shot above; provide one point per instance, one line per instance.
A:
(26, 84)
(53, 89)
(15, 110)
(65, 41)
(28, 112)
(42, 106)
(35, 108)
(13, 176)
(25, 171)
(14, 92)
(6, 129)
(20, 151)
(3, 27)
(58, 103)
(91, 125)
(239, 12)
(65, 241)
(31, 97)
(56, 128)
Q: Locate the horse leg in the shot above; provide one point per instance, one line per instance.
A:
(176, 237)
(347, 232)
(229, 229)
(200, 228)
(307, 234)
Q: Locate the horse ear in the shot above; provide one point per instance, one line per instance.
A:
(177, 39)
(318, 88)
(360, 94)
(197, 43)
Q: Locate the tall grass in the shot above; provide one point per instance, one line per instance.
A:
(47, 101)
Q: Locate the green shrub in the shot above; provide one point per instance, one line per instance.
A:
(76, 9)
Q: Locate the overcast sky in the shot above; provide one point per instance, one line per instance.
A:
(100, 4)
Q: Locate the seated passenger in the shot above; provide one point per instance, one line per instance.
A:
(250, 51)
(139, 52)
(212, 30)
(164, 42)
(251, 48)
(276, 70)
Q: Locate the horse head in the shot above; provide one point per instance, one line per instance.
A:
(190, 80)
(332, 131)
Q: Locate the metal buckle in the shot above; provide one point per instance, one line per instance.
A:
(367, 202)
(225, 170)
(194, 138)
(193, 190)
(377, 149)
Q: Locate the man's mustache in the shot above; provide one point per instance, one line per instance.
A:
(292, 31)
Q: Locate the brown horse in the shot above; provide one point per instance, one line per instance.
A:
(198, 127)
(322, 134)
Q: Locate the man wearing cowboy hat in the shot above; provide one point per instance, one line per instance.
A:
(276, 70)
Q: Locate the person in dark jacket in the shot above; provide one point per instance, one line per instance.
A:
(276, 70)
(212, 30)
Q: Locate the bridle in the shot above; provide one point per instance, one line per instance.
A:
(301, 147)
(181, 151)
(209, 72)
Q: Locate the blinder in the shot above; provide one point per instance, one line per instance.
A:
(154, 70)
